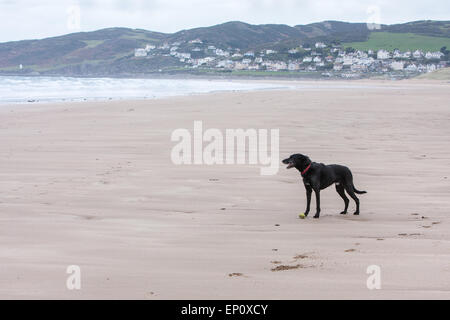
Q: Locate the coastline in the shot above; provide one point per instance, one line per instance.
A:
(197, 87)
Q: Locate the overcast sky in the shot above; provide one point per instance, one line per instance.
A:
(31, 19)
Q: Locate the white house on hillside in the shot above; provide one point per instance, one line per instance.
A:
(320, 45)
(140, 52)
(433, 55)
(397, 65)
(383, 54)
(417, 54)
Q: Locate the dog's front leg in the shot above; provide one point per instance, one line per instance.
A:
(317, 192)
(308, 199)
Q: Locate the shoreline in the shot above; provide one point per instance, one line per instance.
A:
(278, 85)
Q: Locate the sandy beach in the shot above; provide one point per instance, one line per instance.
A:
(92, 184)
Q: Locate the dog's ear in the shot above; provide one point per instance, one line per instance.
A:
(307, 159)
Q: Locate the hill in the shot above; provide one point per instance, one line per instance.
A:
(109, 52)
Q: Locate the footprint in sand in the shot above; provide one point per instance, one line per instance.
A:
(411, 234)
(287, 267)
(300, 256)
(235, 274)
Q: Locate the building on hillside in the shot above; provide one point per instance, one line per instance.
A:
(337, 67)
(383, 54)
(418, 54)
(240, 66)
(397, 65)
(226, 64)
(140, 52)
(433, 55)
(164, 46)
(431, 67)
(406, 55)
(293, 66)
(253, 67)
(348, 61)
(358, 68)
(222, 53)
(320, 45)
(276, 65)
(361, 54)
(412, 68)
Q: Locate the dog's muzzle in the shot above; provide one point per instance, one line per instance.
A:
(289, 163)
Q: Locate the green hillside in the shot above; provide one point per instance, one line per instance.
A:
(401, 41)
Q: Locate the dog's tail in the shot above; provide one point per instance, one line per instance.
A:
(357, 191)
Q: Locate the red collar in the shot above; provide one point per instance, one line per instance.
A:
(306, 170)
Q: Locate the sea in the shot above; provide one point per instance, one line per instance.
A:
(20, 89)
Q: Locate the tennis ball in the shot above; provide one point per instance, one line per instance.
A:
(302, 216)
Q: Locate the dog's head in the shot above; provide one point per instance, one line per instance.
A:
(298, 161)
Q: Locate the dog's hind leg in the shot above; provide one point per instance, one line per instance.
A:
(340, 190)
(351, 192)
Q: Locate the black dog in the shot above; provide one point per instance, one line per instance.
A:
(317, 176)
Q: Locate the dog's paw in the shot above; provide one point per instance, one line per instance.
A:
(356, 213)
(343, 212)
(316, 216)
